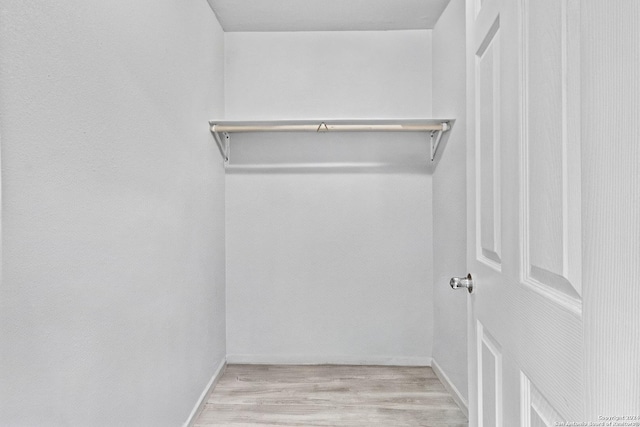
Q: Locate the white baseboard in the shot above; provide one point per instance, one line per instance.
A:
(455, 393)
(193, 416)
(277, 359)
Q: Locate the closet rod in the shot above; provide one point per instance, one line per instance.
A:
(324, 127)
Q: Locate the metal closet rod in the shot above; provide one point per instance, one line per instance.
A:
(324, 127)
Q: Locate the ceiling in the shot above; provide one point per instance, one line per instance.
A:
(327, 15)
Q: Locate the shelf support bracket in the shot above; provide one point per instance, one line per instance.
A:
(227, 147)
(223, 146)
(436, 137)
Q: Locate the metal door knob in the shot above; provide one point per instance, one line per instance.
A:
(462, 282)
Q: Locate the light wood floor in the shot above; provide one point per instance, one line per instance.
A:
(266, 395)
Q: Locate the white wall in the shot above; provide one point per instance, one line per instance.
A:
(112, 294)
(610, 84)
(328, 267)
(449, 198)
(334, 74)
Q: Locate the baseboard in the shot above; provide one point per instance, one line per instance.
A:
(455, 393)
(197, 409)
(276, 359)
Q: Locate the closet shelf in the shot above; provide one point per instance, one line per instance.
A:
(221, 129)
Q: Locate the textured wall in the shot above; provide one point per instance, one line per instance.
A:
(449, 197)
(329, 267)
(611, 205)
(336, 74)
(112, 295)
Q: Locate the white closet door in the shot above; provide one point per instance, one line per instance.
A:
(525, 314)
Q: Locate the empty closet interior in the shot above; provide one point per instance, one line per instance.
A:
(345, 188)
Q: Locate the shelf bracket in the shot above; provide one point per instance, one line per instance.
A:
(223, 146)
(436, 137)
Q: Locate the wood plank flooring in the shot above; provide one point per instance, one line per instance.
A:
(329, 395)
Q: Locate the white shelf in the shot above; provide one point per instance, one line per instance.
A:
(221, 129)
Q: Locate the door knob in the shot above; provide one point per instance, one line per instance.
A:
(462, 282)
